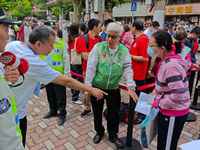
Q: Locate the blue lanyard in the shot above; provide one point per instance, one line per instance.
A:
(30, 48)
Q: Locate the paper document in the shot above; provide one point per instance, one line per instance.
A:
(142, 104)
(193, 145)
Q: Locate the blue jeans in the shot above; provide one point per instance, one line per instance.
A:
(12, 38)
(76, 69)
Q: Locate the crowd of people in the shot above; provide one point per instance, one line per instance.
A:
(107, 51)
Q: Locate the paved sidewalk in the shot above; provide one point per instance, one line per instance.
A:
(77, 133)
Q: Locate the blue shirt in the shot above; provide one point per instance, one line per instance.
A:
(190, 43)
(103, 35)
(172, 35)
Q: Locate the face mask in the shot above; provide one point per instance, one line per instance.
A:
(151, 53)
(153, 30)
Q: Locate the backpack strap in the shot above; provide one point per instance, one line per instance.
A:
(75, 43)
(86, 40)
(98, 37)
(136, 41)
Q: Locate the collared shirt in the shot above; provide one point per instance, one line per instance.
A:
(172, 35)
(39, 71)
(148, 32)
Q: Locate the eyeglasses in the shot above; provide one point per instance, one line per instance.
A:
(112, 36)
(152, 45)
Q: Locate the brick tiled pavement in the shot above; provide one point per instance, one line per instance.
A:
(77, 133)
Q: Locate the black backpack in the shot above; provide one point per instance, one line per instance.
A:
(87, 39)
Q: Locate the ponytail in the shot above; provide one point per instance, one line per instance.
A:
(178, 46)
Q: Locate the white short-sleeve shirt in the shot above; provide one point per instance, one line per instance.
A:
(39, 71)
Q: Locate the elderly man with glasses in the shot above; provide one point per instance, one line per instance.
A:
(106, 63)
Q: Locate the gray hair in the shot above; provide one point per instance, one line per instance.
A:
(115, 27)
(42, 34)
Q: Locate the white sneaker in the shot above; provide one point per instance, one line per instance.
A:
(77, 102)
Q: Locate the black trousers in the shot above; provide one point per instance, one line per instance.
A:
(56, 95)
(113, 100)
(76, 69)
(23, 128)
(139, 83)
(169, 131)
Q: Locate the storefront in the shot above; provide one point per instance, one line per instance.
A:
(180, 13)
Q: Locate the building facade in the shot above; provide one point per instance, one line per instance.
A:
(176, 10)
(123, 12)
(180, 12)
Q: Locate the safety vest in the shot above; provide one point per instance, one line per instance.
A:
(109, 70)
(16, 27)
(11, 137)
(56, 56)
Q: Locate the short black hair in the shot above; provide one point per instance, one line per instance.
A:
(195, 30)
(93, 22)
(82, 27)
(107, 22)
(138, 25)
(155, 24)
(59, 33)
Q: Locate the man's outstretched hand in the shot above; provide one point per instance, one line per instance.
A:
(96, 93)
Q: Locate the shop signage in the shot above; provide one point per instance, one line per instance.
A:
(185, 9)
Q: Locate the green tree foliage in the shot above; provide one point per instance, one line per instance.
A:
(22, 9)
(41, 4)
(37, 15)
(7, 6)
(75, 6)
(16, 8)
(62, 7)
(110, 4)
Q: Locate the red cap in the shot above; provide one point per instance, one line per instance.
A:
(7, 58)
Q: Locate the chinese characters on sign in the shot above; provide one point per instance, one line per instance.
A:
(188, 9)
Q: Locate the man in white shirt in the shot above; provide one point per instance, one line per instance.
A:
(152, 28)
(41, 41)
(106, 63)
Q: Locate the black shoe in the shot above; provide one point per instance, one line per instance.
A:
(49, 115)
(97, 138)
(138, 121)
(85, 113)
(61, 121)
(117, 142)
